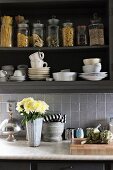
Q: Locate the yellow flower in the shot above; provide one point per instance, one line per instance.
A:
(40, 106)
(29, 105)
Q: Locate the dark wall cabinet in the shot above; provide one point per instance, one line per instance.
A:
(12, 165)
(55, 165)
(77, 11)
(71, 166)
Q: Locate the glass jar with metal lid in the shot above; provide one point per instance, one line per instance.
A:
(23, 35)
(53, 33)
(38, 34)
(96, 31)
(68, 34)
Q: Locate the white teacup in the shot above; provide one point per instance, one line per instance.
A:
(38, 64)
(18, 73)
(3, 73)
(36, 56)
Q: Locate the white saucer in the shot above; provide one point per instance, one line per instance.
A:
(17, 78)
(93, 77)
(94, 74)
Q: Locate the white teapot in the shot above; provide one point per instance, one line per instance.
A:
(37, 56)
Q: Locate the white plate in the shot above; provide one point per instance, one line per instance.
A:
(38, 73)
(39, 69)
(14, 78)
(93, 78)
(94, 74)
(38, 78)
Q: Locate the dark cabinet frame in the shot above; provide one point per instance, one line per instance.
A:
(61, 57)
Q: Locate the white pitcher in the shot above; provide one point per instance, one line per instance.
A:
(37, 56)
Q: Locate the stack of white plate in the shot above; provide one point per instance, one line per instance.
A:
(39, 73)
(93, 76)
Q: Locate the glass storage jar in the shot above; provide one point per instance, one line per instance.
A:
(68, 34)
(96, 31)
(6, 31)
(38, 34)
(23, 35)
(53, 33)
(81, 35)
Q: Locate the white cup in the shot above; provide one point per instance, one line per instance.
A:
(38, 64)
(18, 73)
(36, 56)
(3, 73)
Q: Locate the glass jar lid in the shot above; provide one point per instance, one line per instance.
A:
(53, 21)
(35, 25)
(68, 23)
(22, 25)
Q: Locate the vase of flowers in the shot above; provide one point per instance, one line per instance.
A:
(33, 112)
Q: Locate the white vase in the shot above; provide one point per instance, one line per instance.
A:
(34, 130)
(52, 132)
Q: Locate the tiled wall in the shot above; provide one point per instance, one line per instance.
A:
(82, 110)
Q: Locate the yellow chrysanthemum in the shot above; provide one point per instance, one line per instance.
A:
(29, 105)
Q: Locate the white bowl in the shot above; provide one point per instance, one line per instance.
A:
(92, 68)
(91, 61)
(65, 76)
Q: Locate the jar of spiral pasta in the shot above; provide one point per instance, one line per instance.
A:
(23, 35)
(6, 31)
(68, 34)
(37, 34)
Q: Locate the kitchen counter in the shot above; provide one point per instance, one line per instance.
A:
(19, 150)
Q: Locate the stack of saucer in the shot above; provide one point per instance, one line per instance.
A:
(39, 73)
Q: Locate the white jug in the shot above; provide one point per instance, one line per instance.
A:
(37, 56)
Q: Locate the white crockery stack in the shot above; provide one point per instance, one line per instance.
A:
(39, 69)
(91, 69)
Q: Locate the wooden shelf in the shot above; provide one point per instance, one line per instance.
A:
(104, 86)
(53, 48)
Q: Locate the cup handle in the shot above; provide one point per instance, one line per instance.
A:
(45, 64)
(41, 54)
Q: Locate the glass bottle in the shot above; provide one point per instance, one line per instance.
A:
(68, 34)
(111, 124)
(37, 34)
(96, 31)
(53, 33)
(23, 35)
(6, 31)
(81, 35)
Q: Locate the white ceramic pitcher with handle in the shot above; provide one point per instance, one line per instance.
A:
(37, 56)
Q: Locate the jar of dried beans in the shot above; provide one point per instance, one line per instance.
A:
(53, 33)
(96, 31)
(23, 35)
(68, 34)
(6, 31)
(37, 34)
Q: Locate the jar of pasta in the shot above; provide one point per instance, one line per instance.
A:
(23, 35)
(6, 31)
(37, 34)
(53, 32)
(68, 34)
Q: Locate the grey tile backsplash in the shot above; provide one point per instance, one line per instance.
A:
(82, 110)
